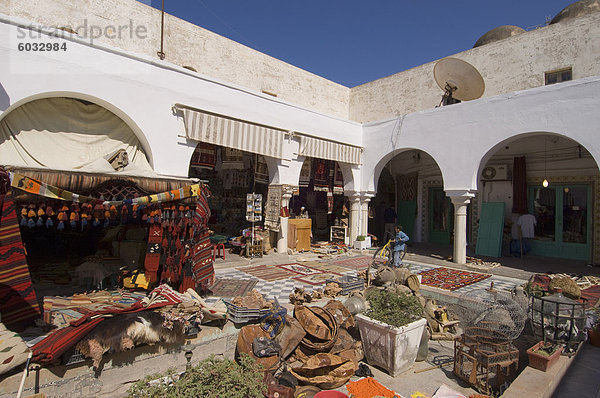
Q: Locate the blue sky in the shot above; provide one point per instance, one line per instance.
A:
(352, 41)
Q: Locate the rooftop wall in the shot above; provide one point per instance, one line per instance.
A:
(513, 64)
(186, 44)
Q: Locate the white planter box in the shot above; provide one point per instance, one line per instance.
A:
(392, 349)
(362, 244)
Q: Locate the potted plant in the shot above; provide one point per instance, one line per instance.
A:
(362, 242)
(391, 330)
(543, 355)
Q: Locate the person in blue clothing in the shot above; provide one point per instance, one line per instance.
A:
(399, 245)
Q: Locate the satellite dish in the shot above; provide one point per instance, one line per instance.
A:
(459, 80)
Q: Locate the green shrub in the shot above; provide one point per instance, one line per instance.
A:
(393, 309)
(210, 378)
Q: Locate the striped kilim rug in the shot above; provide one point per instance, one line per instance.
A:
(18, 302)
(361, 262)
(232, 287)
(316, 279)
(450, 279)
(268, 272)
(300, 269)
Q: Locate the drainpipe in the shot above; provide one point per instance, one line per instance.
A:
(160, 53)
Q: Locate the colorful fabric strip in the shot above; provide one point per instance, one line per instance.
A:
(36, 187)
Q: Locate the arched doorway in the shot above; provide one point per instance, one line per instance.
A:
(560, 214)
(64, 133)
(411, 184)
(321, 193)
(231, 174)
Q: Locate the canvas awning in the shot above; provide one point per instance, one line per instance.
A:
(233, 133)
(331, 150)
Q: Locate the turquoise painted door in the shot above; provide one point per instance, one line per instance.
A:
(407, 211)
(441, 217)
(491, 228)
(563, 221)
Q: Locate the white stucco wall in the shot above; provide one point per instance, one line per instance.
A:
(512, 64)
(461, 137)
(142, 91)
(186, 44)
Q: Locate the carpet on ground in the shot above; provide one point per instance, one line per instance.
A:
(329, 267)
(300, 269)
(450, 279)
(361, 262)
(232, 287)
(316, 279)
(268, 273)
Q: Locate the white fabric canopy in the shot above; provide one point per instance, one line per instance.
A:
(323, 149)
(68, 134)
(233, 133)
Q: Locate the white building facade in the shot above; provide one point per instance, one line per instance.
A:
(434, 155)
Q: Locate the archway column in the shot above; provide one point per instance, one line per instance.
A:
(354, 215)
(282, 235)
(364, 212)
(460, 199)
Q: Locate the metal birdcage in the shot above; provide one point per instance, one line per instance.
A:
(558, 319)
(492, 308)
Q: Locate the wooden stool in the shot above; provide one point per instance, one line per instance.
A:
(218, 247)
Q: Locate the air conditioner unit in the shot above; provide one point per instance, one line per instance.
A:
(494, 173)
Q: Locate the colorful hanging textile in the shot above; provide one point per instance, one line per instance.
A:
(305, 173)
(329, 202)
(36, 187)
(273, 207)
(202, 262)
(321, 169)
(152, 260)
(261, 171)
(338, 181)
(204, 156)
(232, 159)
(18, 302)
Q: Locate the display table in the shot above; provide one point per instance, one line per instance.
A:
(299, 231)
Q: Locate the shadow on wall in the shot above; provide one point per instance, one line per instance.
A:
(4, 99)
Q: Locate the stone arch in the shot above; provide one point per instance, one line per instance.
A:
(97, 101)
(373, 180)
(491, 151)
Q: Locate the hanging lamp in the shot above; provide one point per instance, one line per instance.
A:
(545, 183)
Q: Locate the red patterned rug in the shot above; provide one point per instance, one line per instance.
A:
(450, 279)
(316, 279)
(268, 273)
(300, 269)
(361, 262)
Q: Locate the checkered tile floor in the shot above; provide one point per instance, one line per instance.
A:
(281, 289)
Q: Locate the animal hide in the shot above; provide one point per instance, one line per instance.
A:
(127, 331)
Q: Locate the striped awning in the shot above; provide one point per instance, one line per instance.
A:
(233, 133)
(323, 149)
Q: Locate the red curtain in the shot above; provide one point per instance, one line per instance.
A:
(519, 186)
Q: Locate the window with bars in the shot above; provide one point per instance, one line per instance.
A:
(557, 76)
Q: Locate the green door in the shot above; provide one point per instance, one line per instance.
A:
(491, 228)
(407, 211)
(441, 217)
(563, 221)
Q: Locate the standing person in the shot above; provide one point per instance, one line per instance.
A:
(399, 245)
(389, 217)
(380, 221)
